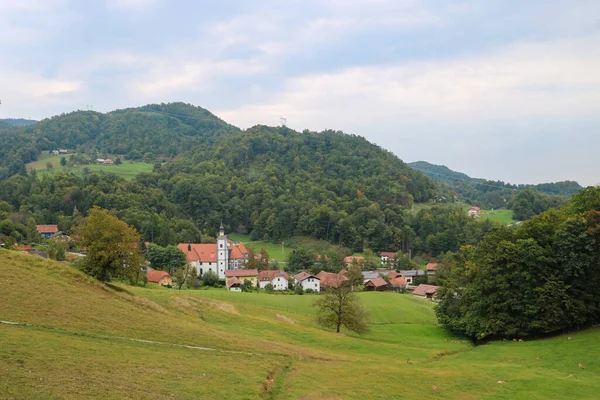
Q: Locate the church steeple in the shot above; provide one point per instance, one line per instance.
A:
(221, 229)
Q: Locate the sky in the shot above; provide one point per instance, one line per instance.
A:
(499, 89)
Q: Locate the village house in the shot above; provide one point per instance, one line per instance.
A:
(47, 231)
(425, 291)
(218, 258)
(398, 284)
(387, 257)
(348, 261)
(243, 275)
(376, 284)
(411, 274)
(234, 285)
(108, 161)
(474, 212)
(329, 279)
(308, 281)
(431, 268)
(277, 278)
(161, 278)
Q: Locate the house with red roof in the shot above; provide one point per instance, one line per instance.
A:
(220, 257)
(398, 284)
(376, 285)
(331, 280)
(47, 231)
(243, 275)
(308, 281)
(348, 261)
(431, 268)
(425, 291)
(474, 212)
(387, 257)
(161, 278)
(277, 278)
(234, 285)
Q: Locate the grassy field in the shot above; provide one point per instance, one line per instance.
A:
(127, 170)
(84, 339)
(502, 216)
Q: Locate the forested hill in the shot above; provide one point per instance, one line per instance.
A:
(272, 183)
(490, 194)
(16, 122)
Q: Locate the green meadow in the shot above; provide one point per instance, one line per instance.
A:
(80, 339)
(127, 170)
(503, 216)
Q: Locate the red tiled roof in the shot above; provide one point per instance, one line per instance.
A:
(331, 279)
(377, 282)
(303, 275)
(390, 254)
(199, 252)
(351, 259)
(241, 273)
(242, 248)
(236, 254)
(272, 274)
(397, 282)
(423, 290)
(233, 281)
(475, 208)
(432, 266)
(155, 276)
(394, 274)
(47, 228)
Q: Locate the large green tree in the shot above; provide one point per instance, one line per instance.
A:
(340, 307)
(113, 247)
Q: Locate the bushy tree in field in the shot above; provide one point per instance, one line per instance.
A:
(340, 307)
(168, 258)
(186, 275)
(112, 247)
(210, 278)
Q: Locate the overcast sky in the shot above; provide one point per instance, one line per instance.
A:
(497, 89)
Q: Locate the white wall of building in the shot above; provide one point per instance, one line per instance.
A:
(311, 283)
(279, 283)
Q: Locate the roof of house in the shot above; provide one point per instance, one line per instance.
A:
(376, 273)
(199, 252)
(242, 248)
(155, 276)
(432, 266)
(47, 228)
(394, 274)
(331, 279)
(423, 290)
(236, 253)
(233, 281)
(397, 282)
(412, 272)
(303, 275)
(241, 273)
(351, 259)
(388, 254)
(377, 282)
(272, 274)
(475, 208)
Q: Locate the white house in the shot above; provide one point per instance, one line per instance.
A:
(308, 281)
(279, 279)
(387, 256)
(217, 257)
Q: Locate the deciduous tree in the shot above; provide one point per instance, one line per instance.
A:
(341, 307)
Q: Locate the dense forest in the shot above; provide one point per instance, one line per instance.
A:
(535, 279)
(495, 194)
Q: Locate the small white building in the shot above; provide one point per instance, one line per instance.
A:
(308, 281)
(277, 278)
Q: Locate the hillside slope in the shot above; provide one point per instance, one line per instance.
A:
(83, 339)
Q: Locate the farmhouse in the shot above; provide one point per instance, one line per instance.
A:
(411, 274)
(277, 278)
(46, 231)
(431, 268)
(329, 279)
(234, 285)
(474, 212)
(308, 281)
(425, 291)
(376, 284)
(387, 257)
(108, 161)
(219, 257)
(161, 278)
(242, 275)
(398, 284)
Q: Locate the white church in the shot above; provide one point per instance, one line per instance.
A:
(219, 257)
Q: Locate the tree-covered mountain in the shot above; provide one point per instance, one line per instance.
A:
(16, 122)
(272, 183)
(491, 194)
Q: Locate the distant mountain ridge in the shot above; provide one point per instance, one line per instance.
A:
(493, 194)
(16, 122)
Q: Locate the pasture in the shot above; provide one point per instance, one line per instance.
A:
(80, 339)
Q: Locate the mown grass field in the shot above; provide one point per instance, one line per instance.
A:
(502, 216)
(77, 344)
(127, 170)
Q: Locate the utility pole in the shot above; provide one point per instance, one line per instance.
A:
(283, 121)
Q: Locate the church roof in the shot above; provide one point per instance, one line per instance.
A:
(199, 252)
(235, 253)
(242, 248)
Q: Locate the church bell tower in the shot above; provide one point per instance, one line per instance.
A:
(222, 253)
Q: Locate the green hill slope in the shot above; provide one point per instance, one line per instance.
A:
(84, 340)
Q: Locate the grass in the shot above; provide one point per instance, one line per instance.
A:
(77, 344)
(127, 170)
(503, 216)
